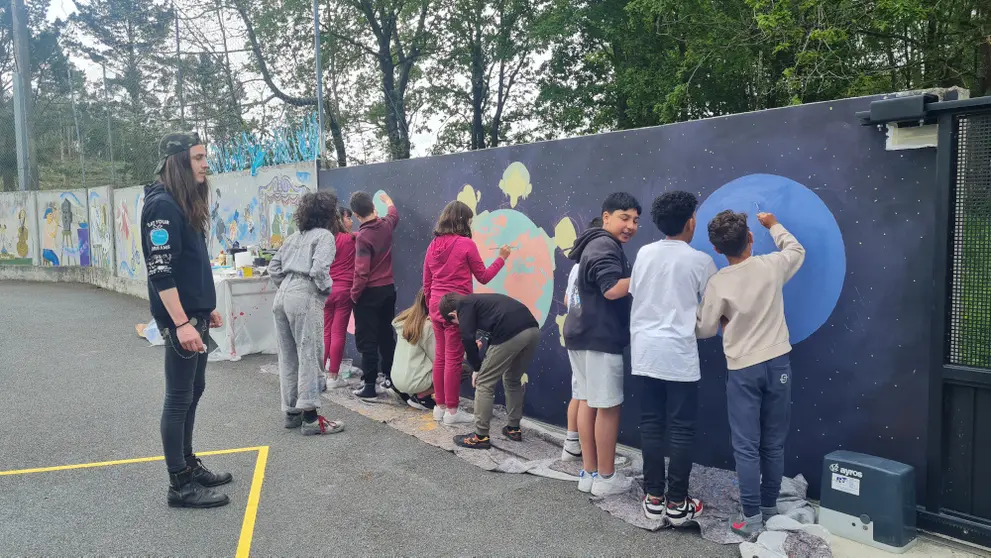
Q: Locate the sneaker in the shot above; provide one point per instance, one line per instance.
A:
(572, 451)
(294, 420)
(321, 426)
(367, 391)
(585, 481)
(473, 441)
(438, 413)
(338, 383)
(397, 396)
(616, 484)
(513, 433)
(679, 514)
(458, 417)
(422, 403)
(653, 507)
(768, 512)
(747, 527)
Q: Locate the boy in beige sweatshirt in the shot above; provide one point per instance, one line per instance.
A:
(746, 299)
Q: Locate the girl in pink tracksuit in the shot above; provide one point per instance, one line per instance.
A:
(337, 310)
(452, 259)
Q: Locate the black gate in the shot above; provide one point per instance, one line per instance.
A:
(958, 476)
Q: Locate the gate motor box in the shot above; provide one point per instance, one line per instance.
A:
(869, 500)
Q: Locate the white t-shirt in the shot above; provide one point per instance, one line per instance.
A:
(669, 279)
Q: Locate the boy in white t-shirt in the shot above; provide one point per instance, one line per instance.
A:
(572, 446)
(668, 281)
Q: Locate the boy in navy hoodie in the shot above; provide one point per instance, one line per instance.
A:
(596, 332)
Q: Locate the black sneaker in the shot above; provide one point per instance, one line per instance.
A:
(367, 391)
(422, 403)
(473, 441)
(513, 433)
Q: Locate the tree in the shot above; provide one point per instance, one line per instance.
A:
(131, 36)
(489, 47)
(393, 33)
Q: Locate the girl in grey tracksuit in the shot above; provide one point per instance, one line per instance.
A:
(301, 271)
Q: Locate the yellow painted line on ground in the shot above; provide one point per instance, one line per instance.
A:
(254, 495)
(117, 462)
(248, 527)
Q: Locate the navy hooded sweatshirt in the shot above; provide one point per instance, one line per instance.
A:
(595, 323)
(175, 256)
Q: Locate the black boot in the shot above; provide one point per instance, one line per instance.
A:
(184, 492)
(204, 476)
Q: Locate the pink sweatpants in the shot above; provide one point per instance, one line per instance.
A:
(336, 315)
(448, 356)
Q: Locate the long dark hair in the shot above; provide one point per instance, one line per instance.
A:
(455, 219)
(337, 226)
(193, 198)
(413, 319)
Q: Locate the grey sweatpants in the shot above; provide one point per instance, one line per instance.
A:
(508, 361)
(298, 310)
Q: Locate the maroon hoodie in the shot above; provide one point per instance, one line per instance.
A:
(373, 253)
(450, 263)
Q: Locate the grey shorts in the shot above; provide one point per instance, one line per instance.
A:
(597, 378)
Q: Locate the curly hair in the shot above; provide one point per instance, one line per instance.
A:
(728, 233)
(671, 211)
(455, 219)
(316, 211)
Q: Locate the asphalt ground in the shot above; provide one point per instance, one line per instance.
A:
(80, 387)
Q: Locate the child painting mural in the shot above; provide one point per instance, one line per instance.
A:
(747, 300)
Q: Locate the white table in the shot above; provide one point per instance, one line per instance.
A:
(246, 308)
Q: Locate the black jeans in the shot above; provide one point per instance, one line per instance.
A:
(668, 408)
(373, 332)
(185, 379)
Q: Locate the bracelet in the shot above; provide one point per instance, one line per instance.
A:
(185, 323)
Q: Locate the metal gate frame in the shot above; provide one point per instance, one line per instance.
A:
(927, 109)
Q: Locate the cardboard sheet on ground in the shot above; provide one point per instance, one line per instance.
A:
(540, 452)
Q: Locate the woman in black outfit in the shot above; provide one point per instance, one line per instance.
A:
(174, 224)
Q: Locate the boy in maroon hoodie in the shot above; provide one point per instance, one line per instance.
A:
(373, 290)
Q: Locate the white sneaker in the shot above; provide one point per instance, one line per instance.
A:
(438, 413)
(458, 417)
(572, 451)
(338, 383)
(616, 484)
(585, 481)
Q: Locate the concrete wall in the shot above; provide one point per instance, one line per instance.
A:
(864, 214)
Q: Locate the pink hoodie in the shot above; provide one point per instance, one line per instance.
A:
(448, 268)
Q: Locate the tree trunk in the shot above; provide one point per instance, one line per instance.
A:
(395, 110)
(335, 132)
(477, 94)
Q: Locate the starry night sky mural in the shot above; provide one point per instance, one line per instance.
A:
(860, 371)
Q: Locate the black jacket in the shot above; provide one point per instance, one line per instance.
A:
(595, 323)
(175, 256)
(495, 318)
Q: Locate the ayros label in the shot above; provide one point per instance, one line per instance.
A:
(844, 483)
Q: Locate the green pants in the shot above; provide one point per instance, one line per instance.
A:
(508, 361)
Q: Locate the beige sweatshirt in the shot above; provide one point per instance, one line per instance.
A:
(749, 296)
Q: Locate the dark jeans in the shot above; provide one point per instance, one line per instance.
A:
(759, 402)
(667, 408)
(185, 379)
(373, 332)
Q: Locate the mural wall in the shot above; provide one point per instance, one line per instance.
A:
(18, 229)
(257, 208)
(64, 226)
(864, 215)
(101, 228)
(128, 203)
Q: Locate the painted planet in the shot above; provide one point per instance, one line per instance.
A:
(379, 204)
(812, 294)
(529, 273)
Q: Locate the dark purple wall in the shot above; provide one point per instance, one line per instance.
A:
(861, 380)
